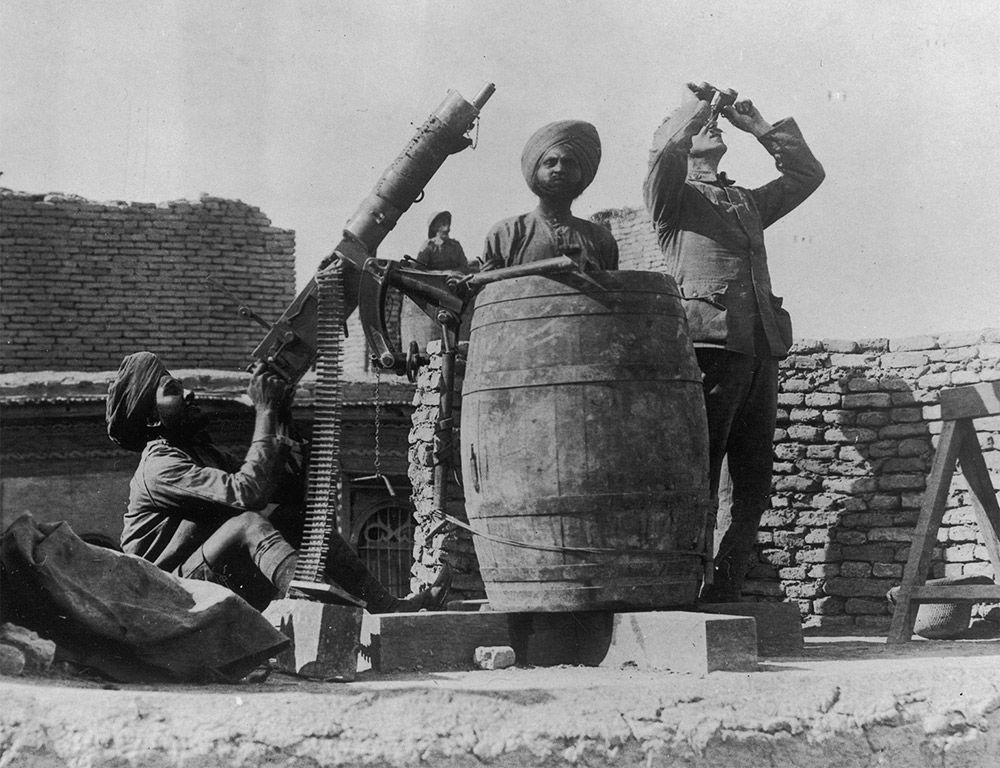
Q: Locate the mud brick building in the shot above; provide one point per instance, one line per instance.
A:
(84, 283)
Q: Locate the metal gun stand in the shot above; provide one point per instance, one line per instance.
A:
(959, 406)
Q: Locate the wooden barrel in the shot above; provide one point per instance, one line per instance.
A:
(585, 444)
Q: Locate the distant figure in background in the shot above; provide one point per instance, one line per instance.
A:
(441, 251)
(712, 234)
(199, 513)
(559, 162)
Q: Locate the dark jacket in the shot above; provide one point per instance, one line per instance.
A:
(712, 234)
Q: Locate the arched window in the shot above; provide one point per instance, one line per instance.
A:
(384, 541)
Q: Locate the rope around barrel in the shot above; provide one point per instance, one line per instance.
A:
(573, 550)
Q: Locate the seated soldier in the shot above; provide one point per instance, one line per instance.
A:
(195, 511)
(559, 162)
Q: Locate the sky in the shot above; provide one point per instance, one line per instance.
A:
(297, 107)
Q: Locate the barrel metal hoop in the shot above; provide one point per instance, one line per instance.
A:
(687, 495)
(574, 374)
(667, 562)
(611, 551)
(484, 312)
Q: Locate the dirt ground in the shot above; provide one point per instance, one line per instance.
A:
(842, 702)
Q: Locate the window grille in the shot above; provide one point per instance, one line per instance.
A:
(385, 544)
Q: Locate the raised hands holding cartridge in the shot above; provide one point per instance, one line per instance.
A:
(745, 116)
(711, 232)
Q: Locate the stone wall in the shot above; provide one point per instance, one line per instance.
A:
(858, 423)
(432, 541)
(85, 283)
(857, 426)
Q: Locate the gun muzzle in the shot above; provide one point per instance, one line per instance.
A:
(483, 96)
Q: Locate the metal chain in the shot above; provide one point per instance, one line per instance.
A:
(378, 422)
(378, 436)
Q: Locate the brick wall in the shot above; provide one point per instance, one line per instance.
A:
(85, 283)
(637, 246)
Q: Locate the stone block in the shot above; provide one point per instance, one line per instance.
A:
(867, 400)
(429, 641)
(913, 343)
(679, 641)
(903, 360)
(326, 638)
(494, 657)
(844, 346)
(778, 625)
(38, 652)
(12, 660)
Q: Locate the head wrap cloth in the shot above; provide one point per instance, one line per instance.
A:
(132, 399)
(576, 135)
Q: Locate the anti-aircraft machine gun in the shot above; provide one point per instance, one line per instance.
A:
(308, 331)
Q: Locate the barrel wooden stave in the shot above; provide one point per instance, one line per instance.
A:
(565, 404)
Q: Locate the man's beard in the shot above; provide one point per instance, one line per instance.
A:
(560, 190)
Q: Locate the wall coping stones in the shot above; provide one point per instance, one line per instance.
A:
(41, 387)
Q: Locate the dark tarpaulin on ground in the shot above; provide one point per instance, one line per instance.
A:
(122, 615)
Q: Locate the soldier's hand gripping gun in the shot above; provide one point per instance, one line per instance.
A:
(442, 295)
(290, 347)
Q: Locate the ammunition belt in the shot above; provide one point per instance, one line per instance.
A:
(323, 493)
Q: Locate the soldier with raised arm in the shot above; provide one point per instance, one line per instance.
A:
(711, 232)
(198, 512)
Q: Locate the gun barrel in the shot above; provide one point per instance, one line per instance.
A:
(290, 345)
(402, 183)
(484, 95)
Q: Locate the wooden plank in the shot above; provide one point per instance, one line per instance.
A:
(925, 534)
(957, 593)
(325, 638)
(971, 402)
(984, 499)
(779, 625)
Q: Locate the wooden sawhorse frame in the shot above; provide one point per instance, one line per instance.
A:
(959, 406)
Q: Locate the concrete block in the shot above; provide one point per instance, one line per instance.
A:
(779, 625)
(429, 641)
(325, 638)
(495, 657)
(694, 643)
(674, 640)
